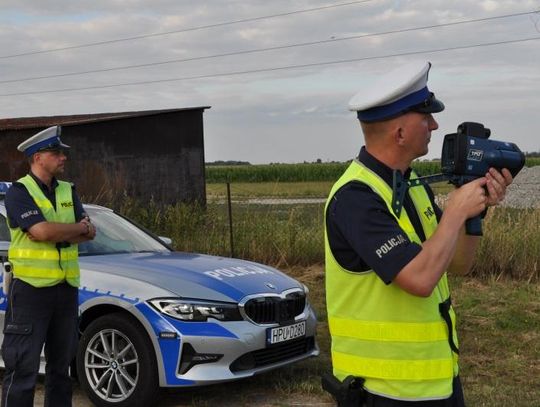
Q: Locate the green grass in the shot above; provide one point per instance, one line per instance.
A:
(244, 190)
(532, 161)
(499, 325)
(273, 234)
(510, 246)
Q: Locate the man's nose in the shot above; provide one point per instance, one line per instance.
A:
(433, 125)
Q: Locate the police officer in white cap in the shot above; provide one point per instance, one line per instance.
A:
(388, 302)
(46, 221)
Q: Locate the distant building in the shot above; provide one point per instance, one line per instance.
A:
(155, 153)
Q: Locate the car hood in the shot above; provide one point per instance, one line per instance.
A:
(193, 275)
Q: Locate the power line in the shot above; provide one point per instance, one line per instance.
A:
(201, 27)
(287, 46)
(279, 68)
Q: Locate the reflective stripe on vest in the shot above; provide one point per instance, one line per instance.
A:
(396, 341)
(42, 264)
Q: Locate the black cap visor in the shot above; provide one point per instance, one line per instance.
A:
(430, 105)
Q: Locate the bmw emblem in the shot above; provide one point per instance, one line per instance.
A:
(271, 286)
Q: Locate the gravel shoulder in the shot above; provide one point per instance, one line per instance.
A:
(525, 190)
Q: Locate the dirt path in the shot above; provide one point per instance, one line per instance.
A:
(235, 394)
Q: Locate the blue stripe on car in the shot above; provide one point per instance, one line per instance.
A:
(169, 347)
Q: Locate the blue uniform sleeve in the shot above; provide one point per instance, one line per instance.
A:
(362, 220)
(21, 209)
(77, 206)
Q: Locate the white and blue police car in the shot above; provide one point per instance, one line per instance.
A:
(151, 317)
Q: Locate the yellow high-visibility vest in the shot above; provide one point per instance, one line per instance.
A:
(397, 342)
(42, 264)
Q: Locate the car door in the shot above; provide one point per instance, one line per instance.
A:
(4, 245)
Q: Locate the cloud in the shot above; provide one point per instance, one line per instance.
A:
(304, 110)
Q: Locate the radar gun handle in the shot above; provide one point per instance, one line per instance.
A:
(473, 226)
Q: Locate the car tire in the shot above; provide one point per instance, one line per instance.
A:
(115, 363)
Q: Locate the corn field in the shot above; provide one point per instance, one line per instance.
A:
(304, 172)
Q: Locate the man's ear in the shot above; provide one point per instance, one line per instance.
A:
(399, 135)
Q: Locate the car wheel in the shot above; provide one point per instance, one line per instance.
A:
(115, 364)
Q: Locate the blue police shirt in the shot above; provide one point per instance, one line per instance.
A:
(359, 223)
(23, 212)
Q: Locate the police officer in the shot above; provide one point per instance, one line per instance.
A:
(389, 311)
(46, 221)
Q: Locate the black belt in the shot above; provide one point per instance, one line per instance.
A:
(444, 309)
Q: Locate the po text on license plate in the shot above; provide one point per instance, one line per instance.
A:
(285, 333)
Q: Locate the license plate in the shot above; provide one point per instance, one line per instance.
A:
(285, 333)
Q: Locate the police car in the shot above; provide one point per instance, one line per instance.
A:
(151, 317)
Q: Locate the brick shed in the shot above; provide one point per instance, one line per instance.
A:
(155, 153)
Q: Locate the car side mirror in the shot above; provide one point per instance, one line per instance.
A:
(166, 240)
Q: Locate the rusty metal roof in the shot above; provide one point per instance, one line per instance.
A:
(20, 123)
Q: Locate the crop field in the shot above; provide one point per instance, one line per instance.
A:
(304, 172)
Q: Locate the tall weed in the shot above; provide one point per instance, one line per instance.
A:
(287, 235)
(511, 244)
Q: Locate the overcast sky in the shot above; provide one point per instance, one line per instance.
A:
(283, 115)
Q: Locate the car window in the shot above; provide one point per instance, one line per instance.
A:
(117, 235)
(4, 229)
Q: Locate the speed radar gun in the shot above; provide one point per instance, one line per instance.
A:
(466, 156)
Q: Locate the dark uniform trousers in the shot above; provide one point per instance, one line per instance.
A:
(37, 316)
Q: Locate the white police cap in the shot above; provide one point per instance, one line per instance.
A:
(48, 139)
(395, 93)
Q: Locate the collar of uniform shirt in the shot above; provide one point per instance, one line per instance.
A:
(42, 185)
(381, 169)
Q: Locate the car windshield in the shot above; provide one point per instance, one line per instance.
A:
(117, 235)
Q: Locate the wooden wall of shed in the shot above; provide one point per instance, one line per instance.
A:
(158, 156)
(13, 164)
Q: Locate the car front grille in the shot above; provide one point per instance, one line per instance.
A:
(273, 354)
(273, 309)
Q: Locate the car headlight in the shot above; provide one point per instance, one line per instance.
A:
(196, 310)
